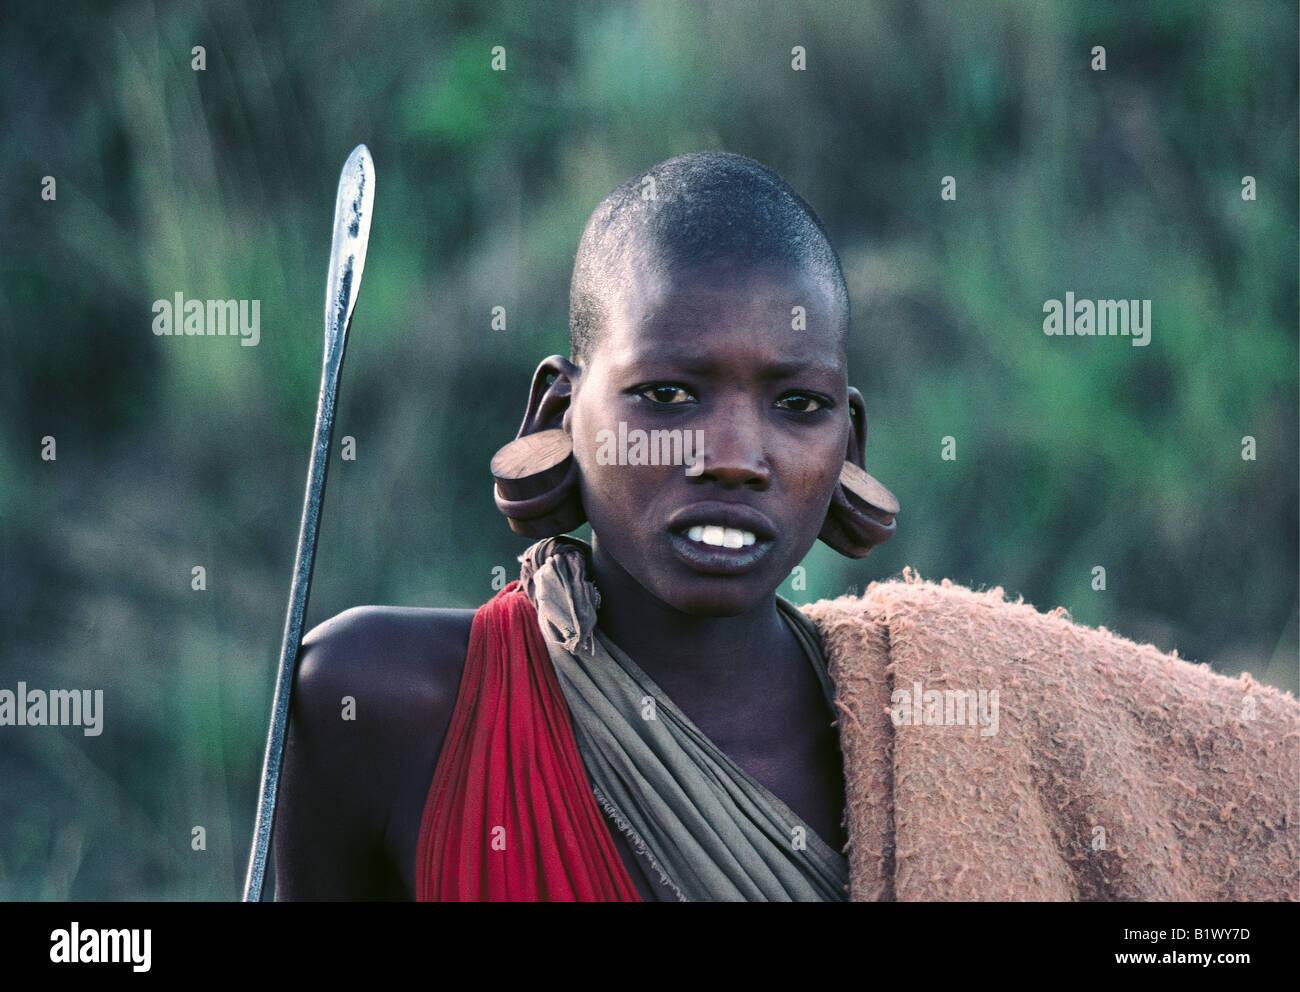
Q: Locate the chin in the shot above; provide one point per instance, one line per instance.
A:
(713, 607)
(714, 596)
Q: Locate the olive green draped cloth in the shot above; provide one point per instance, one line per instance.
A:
(707, 827)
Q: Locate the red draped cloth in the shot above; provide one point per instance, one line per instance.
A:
(510, 814)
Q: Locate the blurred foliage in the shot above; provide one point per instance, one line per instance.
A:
(220, 184)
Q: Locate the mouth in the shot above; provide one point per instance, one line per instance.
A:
(720, 538)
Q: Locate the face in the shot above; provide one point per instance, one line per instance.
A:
(715, 355)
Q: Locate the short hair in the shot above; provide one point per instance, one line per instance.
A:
(688, 211)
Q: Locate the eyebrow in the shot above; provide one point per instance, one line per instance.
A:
(704, 365)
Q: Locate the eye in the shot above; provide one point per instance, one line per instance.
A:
(803, 403)
(665, 394)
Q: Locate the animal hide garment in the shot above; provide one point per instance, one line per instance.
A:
(993, 752)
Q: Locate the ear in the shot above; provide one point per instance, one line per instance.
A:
(548, 397)
(857, 447)
(537, 485)
(861, 512)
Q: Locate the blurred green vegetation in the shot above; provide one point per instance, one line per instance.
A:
(220, 184)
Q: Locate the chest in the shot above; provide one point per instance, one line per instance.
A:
(808, 779)
(783, 737)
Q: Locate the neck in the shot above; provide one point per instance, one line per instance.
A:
(681, 651)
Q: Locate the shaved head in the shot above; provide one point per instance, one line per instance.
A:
(687, 212)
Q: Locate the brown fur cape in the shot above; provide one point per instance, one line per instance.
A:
(1117, 772)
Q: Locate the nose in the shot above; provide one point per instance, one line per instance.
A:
(731, 451)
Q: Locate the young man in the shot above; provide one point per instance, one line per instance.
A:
(646, 718)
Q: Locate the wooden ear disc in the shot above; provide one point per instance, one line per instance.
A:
(537, 484)
(861, 514)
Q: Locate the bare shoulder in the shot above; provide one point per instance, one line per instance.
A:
(374, 694)
(394, 661)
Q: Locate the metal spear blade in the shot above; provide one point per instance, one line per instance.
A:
(353, 209)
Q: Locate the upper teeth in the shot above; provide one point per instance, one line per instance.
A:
(721, 537)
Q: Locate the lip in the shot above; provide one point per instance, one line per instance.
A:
(716, 560)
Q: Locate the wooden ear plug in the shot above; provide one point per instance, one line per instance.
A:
(861, 514)
(537, 484)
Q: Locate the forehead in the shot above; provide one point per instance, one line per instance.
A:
(726, 311)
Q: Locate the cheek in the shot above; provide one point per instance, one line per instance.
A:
(607, 487)
(814, 500)
(600, 485)
(583, 428)
(817, 473)
(612, 490)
